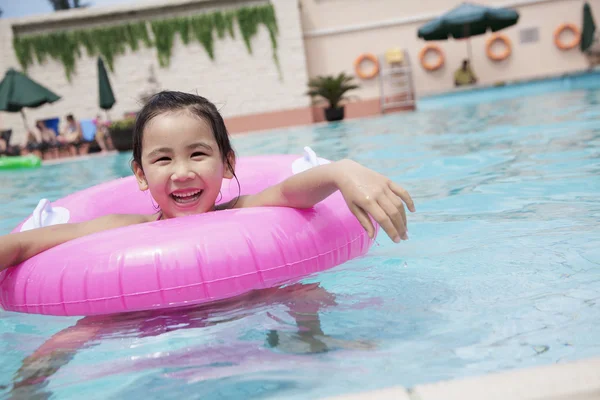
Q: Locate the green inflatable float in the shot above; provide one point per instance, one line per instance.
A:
(19, 162)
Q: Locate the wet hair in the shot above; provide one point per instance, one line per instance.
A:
(70, 117)
(172, 101)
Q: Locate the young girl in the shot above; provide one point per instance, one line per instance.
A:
(181, 153)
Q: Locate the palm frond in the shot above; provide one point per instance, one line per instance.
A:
(331, 88)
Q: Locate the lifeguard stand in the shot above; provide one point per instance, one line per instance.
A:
(396, 88)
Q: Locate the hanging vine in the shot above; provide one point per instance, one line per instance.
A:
(164, 34)
(229, 23)
(113, 41)
(202, 26)
(220, 24)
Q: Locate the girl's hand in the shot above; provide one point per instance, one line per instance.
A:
(369, 193)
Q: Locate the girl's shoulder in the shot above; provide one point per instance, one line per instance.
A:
(112, 221)
(236, 202)
(133, 219)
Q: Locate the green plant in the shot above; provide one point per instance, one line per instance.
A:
(331, 88)
(112, 41)
(122, 125)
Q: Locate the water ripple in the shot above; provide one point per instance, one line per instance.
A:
(501, 270)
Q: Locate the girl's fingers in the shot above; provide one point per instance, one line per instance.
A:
(364, 219)
(403, 212)
(381, 217)
(403, 194)
(399, 206)
(394, 215)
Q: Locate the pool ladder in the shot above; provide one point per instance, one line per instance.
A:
(396, 86)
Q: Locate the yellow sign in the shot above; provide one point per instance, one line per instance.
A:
(394, 56)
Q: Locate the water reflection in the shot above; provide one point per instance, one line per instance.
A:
(303, 303)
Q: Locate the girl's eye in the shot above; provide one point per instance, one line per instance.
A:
(163, 159)
(198, 154)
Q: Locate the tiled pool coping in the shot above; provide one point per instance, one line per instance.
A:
(579, 380)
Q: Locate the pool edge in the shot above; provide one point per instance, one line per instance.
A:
(578, 380)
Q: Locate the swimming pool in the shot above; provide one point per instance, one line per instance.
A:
(501, 270)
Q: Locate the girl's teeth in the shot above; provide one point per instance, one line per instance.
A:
(186, 195)
(184, 198)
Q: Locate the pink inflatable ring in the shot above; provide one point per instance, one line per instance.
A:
(183, 261)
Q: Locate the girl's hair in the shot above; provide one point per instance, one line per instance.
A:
(170, 101)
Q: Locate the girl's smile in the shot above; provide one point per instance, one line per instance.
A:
(186, 199)
(184, 176)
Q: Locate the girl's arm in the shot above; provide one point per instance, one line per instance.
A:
(366, 192)
(18, 247)
(32, 377)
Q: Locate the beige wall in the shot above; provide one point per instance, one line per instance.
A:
(337, 31)
(239, 83)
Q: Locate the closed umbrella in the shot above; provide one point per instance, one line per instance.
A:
(18, 91)
(106, 96)
(468, 20)
(589, 27)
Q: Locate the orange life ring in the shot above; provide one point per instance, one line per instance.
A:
(435, 65)
(498, 56)
(372, 72)
(569, 45)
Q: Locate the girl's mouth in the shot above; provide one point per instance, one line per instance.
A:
(186, 198)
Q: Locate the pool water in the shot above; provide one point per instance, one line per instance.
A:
(502, 269)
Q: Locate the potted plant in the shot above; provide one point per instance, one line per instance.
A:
(121, 133)
(333, 90)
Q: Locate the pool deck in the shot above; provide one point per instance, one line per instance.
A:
(579, 380)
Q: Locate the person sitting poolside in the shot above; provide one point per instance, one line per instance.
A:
(102, 134)
(33, 145)
(50, 144)
(72, 136)
(464, 75)
(5, 147)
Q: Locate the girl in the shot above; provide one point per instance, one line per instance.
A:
(181, 154)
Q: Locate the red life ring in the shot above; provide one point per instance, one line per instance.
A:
(503, 55)
(370, 73)
(568, 45)
(434, 65)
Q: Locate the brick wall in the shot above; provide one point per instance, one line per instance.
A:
(239, 83)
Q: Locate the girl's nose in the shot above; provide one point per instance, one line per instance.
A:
(182, 174)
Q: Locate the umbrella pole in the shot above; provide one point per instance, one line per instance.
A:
(469, 50)
(24, 119)
(467, 34)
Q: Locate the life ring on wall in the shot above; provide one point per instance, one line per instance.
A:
(503, 55)
(435, 65)
(372, 72)
(569, 45)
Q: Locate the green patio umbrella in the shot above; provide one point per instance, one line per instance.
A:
(589, 28)
(18, 91)
(106, 96)
(468, 20)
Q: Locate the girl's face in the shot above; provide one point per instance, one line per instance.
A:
(181, 164)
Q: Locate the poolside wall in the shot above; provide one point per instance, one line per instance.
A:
(336, 32)
(242, 85)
